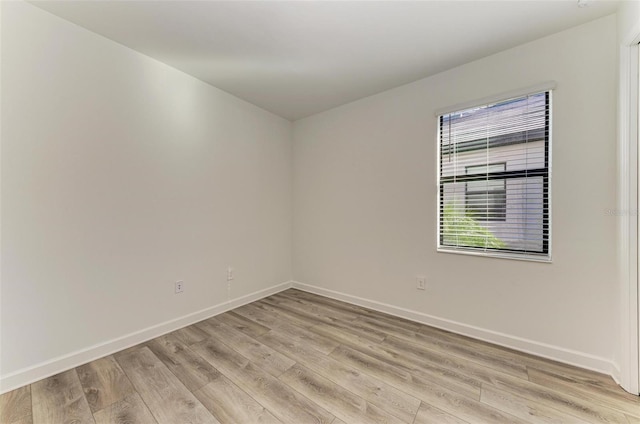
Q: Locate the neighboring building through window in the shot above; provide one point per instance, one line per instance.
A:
(494, 178)
(486, 200)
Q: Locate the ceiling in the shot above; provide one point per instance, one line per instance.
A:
(298, 58)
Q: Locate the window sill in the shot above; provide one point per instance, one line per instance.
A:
(499, 255)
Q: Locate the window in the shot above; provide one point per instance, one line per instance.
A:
(486, 200)
(494, 178)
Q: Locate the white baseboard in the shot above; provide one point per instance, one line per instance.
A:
(62, 363)
(54, 366)
(616, 374)
(556, 353)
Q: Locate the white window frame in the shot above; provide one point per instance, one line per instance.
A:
(525, 256)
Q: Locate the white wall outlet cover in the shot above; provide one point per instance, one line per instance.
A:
(421, 283)
(179, 286)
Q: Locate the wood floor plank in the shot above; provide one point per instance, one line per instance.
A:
(428, 364)
(428, 414)
(193, 371)
(628, 404)
(580, 407)
(371, 389)
(361, 331)
(416, 384)
(302, 334)
(334, 398)
(283, 307)
(240, 323)
(27, 420)
(168, 399)
(360, 310)
(581, 375)
(285, 403)
(349, 325)
(231, 405)
(386, 328)
(316, 308)
(104, 382)
(473, 411)
(416, 360)
(292, 317)
(263, 317)
(489, 355)
(486, 353)
(59, 399)
(502, 362)
(426, 356)
(424, 389)
(342, 335)
(633, 420)
(309, 321)
(15, 406)
(525, 408)
(190, 335)
(128, 410)
(309, 338)
(263, 356)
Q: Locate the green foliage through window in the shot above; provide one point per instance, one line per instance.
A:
(460, 229)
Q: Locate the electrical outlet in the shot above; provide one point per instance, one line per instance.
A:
(421, 283)
(229, 274)
(179, 286)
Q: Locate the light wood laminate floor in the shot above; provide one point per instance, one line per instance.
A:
(299, 358)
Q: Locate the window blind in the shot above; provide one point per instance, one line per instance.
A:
(494, 178)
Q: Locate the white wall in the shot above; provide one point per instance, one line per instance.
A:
(365, 203)
(121, 175)
(628, 18)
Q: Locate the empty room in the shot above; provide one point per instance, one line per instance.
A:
(336, 212)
